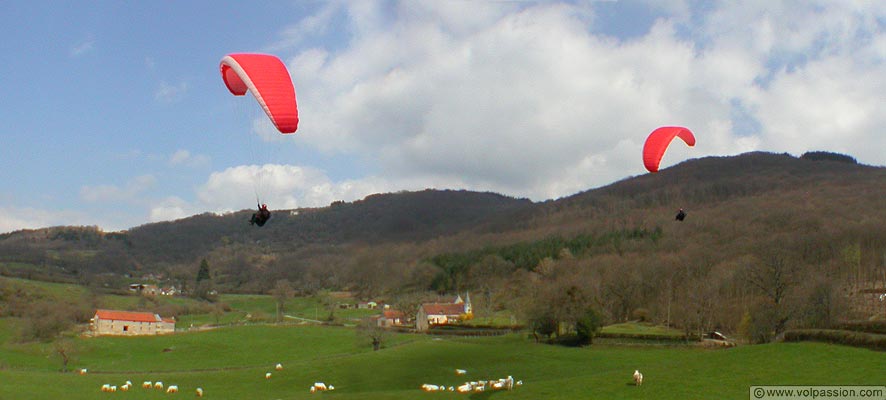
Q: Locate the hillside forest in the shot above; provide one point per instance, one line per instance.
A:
(770, 242)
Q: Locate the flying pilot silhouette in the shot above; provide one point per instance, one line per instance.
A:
(261, 216)
(681, 215)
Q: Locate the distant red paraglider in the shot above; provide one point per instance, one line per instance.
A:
(268, 80)
(659, 140)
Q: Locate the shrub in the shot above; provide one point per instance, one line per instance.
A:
(848, 338)
(640, 314)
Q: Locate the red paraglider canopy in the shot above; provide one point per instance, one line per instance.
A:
(268, 80)
(659, 140)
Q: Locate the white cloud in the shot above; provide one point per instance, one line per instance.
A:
(83, 47)
(184, 157)
(168, 93)
(111, 193)
(524, 100)
(280, 186)
(169, 209)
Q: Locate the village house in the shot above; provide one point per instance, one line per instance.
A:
(144, 289)
(430, 314)
(112, 322)
(391, 318)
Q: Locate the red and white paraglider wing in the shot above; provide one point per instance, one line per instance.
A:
(659, 140)
(268, 80)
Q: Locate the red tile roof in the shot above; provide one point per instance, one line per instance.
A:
(443, 309)
(127, 316)
(394, 314)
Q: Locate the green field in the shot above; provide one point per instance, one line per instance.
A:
(230, 363)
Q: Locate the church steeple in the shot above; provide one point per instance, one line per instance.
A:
(468, 308)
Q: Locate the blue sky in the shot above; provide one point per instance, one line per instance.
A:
(114, 113)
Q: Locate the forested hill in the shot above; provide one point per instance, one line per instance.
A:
(379, 218)
(774, 194)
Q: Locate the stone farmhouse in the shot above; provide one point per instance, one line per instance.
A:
(130, 323)
(430, 314)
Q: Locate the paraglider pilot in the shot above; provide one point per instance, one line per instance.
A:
(263, 215)
(680, 215)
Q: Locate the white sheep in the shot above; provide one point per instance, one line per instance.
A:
(638, 378)
(465, 388)
(460, 371)
(279, 367)
(125, 387)
(319, 386)
(172, 389)
(113, 388)
(268, 375)
(158, 385)
(106, 387)
(430, 388)
(147, 385)
(199, 392)
(82, 371)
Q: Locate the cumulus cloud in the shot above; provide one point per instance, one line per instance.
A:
(282, 187)
(169, 209)
(522, 98)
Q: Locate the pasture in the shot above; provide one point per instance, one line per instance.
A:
(231, 362)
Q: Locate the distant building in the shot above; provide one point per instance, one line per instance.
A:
(430, 314)
(112, 322)
(367, 305)
(144, 289)
(390, 318)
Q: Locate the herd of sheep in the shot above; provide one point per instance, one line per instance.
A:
(474, 386)
(107, 387)
(146, 385)
(466, 387)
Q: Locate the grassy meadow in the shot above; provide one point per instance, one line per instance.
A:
(230, 363)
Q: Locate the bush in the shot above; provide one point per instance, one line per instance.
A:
(640, 314)
(863, 326)
(848, 338)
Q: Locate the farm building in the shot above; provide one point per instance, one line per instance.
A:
(442, 313)
(111, 322)
(391, 318)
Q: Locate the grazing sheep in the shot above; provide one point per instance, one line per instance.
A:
(172, 389)
(83, 371)
(638, 378)
(147, 385)
(106, 388)
(467, 387)
(158, 385)
(199, 392)
(319, 386)
(268, 375)
(279, 367)
(520, 383)
(113, 388)
(460, 371)
(125, 387)
(430, 388)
